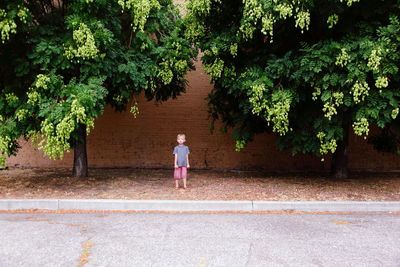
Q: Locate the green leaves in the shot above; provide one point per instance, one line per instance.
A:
(343, 69)
(12, 13)
(140, 11)
(69, 60)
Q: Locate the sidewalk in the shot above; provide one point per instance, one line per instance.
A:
(196, 206)
(153, 190)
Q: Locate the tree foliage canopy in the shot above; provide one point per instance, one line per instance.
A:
(64, 60)
(306, 70)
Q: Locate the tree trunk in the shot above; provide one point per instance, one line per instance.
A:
(339, 169)
(80, 168)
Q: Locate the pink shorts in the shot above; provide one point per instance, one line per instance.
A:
(180, 173)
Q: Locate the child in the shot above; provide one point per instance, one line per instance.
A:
(181, 161)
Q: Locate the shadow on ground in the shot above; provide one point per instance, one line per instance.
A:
(202, 185)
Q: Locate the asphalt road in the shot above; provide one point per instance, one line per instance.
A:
(151, 239)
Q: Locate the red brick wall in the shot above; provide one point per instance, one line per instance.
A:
(120, 140)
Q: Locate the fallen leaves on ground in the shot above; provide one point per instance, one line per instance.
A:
(202, 185)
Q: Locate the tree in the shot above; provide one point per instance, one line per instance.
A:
(63, 61)
(308, 71)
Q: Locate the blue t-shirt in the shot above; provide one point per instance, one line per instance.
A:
(181, 151)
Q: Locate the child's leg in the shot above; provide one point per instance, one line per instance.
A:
(184, 175)
(177, 175)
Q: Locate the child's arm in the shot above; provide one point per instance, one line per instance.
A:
(176, 161)
(187, 160)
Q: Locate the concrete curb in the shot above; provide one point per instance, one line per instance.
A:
(17, 204)
(191, 205)
(154, 205)
(328, 206)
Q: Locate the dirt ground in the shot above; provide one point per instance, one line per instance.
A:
(202, 185)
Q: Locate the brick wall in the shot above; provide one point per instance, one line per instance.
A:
(120, 140)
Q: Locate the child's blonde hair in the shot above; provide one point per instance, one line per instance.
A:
(181, 135)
